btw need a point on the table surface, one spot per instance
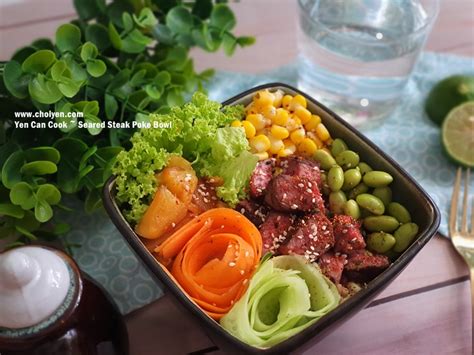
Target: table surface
(426, 310)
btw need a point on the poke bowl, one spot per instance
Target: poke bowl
(288, 238)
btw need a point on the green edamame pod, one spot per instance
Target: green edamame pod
(376, 178)
(352, 178)
(371, 203)
(338, 146)
(381, 224)
(337, 201)
(351, 208)
(399, 212)
(335, 178)
(347, 159)
(364, 168)
(380, 242)
(404, 235)
(359, 189)
(383, 193)
(325, 159)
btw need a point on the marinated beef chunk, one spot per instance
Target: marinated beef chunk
(290, 193)
(276, 228)
(313, 237)
(261, 176)
(347, 234)
(305, 169)
(332, 265)
(253, 210)
(363, 266)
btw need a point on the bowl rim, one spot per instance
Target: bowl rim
(344, 310)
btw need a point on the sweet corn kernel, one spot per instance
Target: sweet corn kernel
(275, 145)
(249, 129)
(307, 147)
(282, 153)
(260, 143)
(291, 124)
(297, 121)
(257, 120)
(277, 98)
(303, 114)
(279, 132)
(261, 155)
(281, 117)
(263, 98)
(286, 101)
(251, 109)
(268, 111)
(315, 139)
(298, 100)
(297, 135)
(322, 132)
(289, 145)
(312, 123)
(236, 124)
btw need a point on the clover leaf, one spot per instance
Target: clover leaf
(68, 37)
(179, 20)
(44, 90)
(39, 167)
(22, 194)
(39, 62)
(11, 169)
(15, 80)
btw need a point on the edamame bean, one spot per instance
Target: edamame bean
(324, 158)
(364, 168)
(376, 178)
(335, 178)
(404, 235)
(338, 146)
(337, 201)
(381, 224)
(359, 189)
(351, 208)
(380, 242)
(347, 159)
(383, 193)
(352, 178)
(399, 212)
(371, 203)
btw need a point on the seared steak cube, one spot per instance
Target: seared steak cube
(313, 237)
(261, 176)
(303, 168)
(253, 210)
(276, 228)
(332, 265)
(363, 266)
(347, 234)
(290, 193)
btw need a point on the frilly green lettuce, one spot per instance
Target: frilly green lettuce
(285, 296)
(196, 133)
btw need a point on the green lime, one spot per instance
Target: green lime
(447, 94)
(458, 134)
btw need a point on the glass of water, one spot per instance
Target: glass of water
(355, 56)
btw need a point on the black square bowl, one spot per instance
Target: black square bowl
(406, 190)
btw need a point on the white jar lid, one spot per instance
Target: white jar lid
(34, 282)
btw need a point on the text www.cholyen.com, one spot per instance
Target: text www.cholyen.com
(48, 114)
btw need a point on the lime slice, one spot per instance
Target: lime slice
(447, 94)
(458, 134)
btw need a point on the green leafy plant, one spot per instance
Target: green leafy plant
(114, 65)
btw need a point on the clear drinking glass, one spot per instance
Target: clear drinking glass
(355, 56)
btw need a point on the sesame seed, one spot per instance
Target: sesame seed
(294, 206)
(173, 224)
(206, 200)
(231, 264)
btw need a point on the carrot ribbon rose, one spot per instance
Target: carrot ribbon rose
(212, 257)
